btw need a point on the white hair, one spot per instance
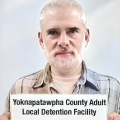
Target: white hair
(63, 4)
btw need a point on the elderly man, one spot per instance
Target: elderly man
(64, 37)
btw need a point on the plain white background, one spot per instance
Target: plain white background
(20, 53)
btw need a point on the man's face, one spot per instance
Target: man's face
(63, 37)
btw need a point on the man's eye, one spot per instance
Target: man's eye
(52, 33)
(73, 31)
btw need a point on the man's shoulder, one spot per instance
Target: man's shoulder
(103, 77)
(106, 83)
(24, 84)
(110, 86)
(30, 77)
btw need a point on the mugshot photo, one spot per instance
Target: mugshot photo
(60, 47)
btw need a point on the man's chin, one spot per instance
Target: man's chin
(63, 65)
(66, 63)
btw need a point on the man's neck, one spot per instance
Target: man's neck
(69, 73)
(65, 81)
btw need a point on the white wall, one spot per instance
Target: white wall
(21, 55)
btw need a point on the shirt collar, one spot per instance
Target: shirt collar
(43, 77)
(88, 78)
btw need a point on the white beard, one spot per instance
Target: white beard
(66, 62)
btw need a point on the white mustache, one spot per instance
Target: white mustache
(62, 50)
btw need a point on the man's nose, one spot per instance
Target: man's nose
(63, 39)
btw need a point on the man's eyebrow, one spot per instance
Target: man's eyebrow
(52, 29)
(56, 29)
(74, 28)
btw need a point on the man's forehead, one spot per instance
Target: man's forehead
(60, 9)
(56, 17)
(61, 14)
(64, 7)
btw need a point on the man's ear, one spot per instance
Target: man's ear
(87, 37)
(40, 40)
